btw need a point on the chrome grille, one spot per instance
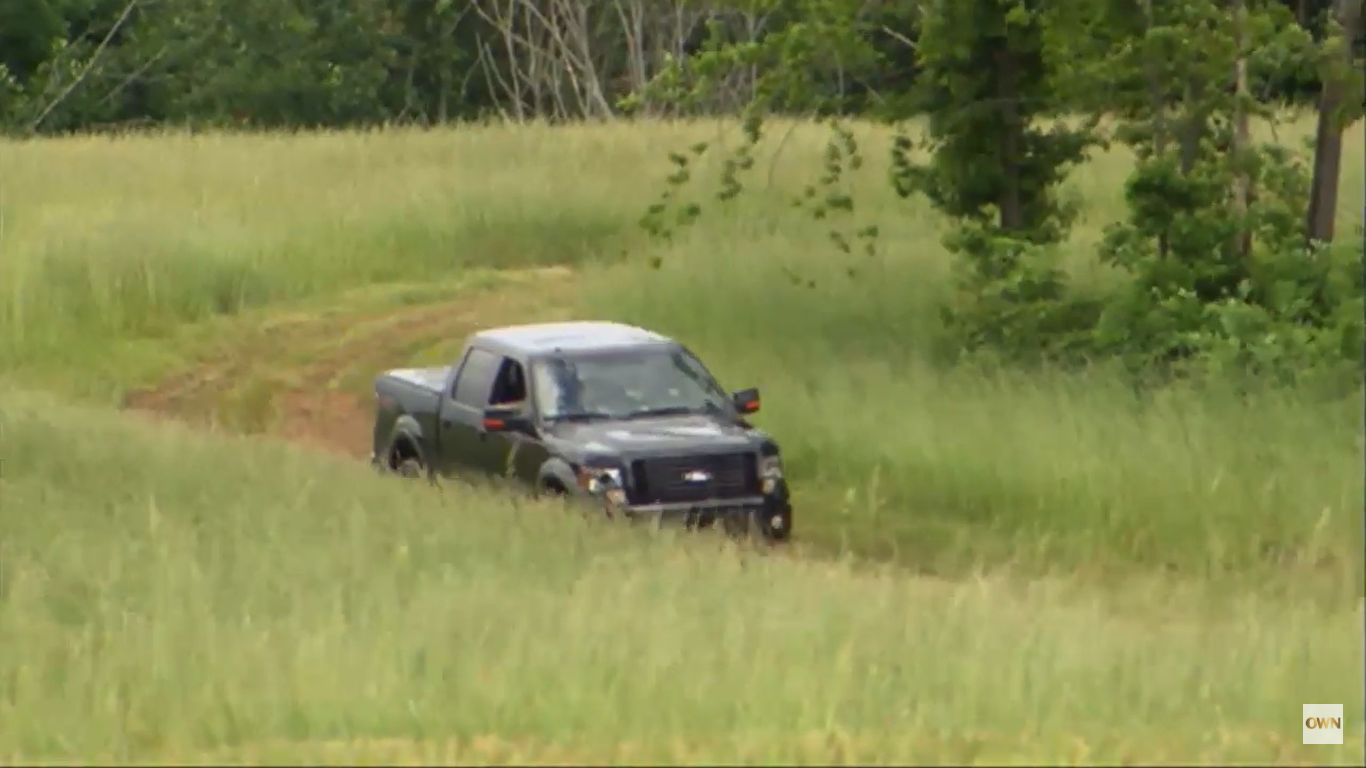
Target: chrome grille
(678, 480)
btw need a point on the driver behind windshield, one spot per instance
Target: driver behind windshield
(623, 386)
(558, 389)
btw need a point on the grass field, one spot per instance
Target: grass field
(1118, 579)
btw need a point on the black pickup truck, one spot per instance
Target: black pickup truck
(613, 413)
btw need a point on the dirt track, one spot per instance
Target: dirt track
(306, 378)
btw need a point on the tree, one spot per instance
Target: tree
(1335, 112)
(984, 83)
(1212, 241)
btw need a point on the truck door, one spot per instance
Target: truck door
(515, 455)
(464, 446)
(511, 452)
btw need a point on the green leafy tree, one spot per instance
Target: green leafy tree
(1214, 237)
(997, 150)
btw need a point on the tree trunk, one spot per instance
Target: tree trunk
(1242, 185)
(1323, 192)
(1158, 101)
(1012, 209)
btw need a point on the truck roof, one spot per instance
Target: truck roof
(547, 338)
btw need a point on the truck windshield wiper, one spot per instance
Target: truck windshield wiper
(580, 416)
(673, 410)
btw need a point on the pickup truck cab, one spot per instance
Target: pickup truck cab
(612, 413)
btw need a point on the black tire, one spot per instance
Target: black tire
(410, 469)
(774, 527)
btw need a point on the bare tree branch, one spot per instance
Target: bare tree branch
(897, 36)
(89, 65)
(136, 74)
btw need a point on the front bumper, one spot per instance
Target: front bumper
(771, 516)
(727, 508)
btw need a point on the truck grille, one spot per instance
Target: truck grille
(666, 481)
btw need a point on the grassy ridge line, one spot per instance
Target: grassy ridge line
(171, 593)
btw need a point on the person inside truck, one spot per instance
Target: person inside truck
(563, 390)
(509, 388)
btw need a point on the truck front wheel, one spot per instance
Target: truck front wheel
(775, 523)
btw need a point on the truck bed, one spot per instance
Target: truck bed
(413, 393)
(428, 379)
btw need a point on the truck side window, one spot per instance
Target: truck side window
(509, 388)
(475, 383)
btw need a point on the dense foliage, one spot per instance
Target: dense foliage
(1224, 266)
(84, 64)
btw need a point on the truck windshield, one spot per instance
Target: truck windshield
(626, 385)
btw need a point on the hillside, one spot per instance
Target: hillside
(993, 566)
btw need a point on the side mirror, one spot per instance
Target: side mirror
(505, 420)
(746, 400)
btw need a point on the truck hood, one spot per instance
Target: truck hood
(666, 435)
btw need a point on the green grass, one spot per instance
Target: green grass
(1165, 577)
(169, 594)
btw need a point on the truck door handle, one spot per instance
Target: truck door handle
(448, 422)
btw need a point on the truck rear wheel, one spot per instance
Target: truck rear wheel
(409, 468)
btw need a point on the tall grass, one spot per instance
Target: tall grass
(109, 239)
(105, 238)
(170, 595)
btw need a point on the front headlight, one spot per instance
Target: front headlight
(770, 472)
(771, 467)
(600, 479)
